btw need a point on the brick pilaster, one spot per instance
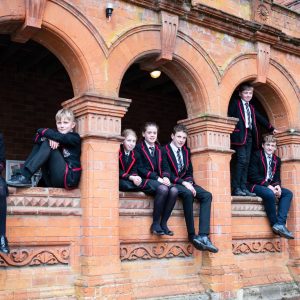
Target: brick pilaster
(209, 140)
(99, 124)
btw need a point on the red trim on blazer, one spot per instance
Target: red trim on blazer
(43, 132)
(130, 166)
(149, 159)
(243, 117)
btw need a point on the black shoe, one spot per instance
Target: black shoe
(166, 230)
(281, 230)
(203, 243)
(19, 181)
(4, 245)
(248, 193)
(238, 192)
(156, 229)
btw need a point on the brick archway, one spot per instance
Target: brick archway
(277, 95)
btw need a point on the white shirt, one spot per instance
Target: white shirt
(248, 122)
(149, 146)
(268, 166)
(175, 149)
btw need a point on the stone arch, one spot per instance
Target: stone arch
(186, 69)
(276, 95)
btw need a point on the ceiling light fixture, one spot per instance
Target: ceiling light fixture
(155, 73)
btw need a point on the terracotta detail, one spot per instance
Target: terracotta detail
(33, 20)
(248, 246)
(97, 115)
(168, 35)
(263, 61)
(209, 132)
(155, 250)
(247, 206)
(36, 256)
(289, 145)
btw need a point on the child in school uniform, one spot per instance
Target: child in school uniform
(56, 152)
(129, 180)
(154, 169)
(4, 248)
(244, 138)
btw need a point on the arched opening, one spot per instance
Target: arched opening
(33, 85)
(157, 100)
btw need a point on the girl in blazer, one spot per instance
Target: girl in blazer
(154, 169)
(129, 180)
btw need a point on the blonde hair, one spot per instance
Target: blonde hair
(65, 113)
(127, 132)
(269, 139)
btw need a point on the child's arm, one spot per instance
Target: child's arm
(64, 139)
(254, 176)
(276, 178)
(264, 122)
(2, 154)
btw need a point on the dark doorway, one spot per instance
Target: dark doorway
(156, 100)
(33, 85)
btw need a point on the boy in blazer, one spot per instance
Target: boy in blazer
(264, 180)
(56, 152)
(244, 138)
(181, 175)
(4, 248)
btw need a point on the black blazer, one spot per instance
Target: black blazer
(240, 133)
(186, 173)
(70, 147)
(146, 169)
(129, 168)
(258, 168)
(2, 154)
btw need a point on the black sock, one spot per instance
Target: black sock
(26, 173)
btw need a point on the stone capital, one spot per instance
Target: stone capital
(209, 133)
(98, 115)
(288, 145)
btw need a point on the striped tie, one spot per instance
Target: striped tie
(248, 115)
(179, 161)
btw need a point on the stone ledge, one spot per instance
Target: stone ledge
(247, 207)
(43, 201)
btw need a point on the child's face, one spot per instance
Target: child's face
(150, 135)
(65, 125)
(246, 95)
(269, 147)
(129, 142)
(179, 139)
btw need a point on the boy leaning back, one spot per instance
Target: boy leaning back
(57, 153)
(264, 180)
(244, 138)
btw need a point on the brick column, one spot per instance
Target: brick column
(99, 124)
(209, 140)
(289, 152)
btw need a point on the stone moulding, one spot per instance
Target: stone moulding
(251, 246)
(152, 250)
(36, 256)
(247, 207)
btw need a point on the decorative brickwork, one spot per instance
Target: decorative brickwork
(249, 246)
(36, 256)
(134, 251)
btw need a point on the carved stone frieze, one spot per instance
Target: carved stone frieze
(33, 20)
(248, 246)
(261, 11)
(168, 35)
(289, 145)
(247, 207)
(36, 256)
(135, 251)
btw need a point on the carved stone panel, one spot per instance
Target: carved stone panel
(261, 11)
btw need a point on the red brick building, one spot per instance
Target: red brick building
(94, 243)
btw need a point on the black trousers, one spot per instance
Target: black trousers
(3, 206)
(127, 185)
(205, 199)
(240, 163)
(50, 161)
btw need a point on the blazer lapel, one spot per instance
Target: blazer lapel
(242, 112)
(172, 158)
(147, 154)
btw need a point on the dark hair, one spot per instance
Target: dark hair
(148, 124)
(178, 128)
(245, 86)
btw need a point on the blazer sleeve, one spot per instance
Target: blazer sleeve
(276, 178)
(263, 122)
(189, 173)
(166, 172)
(71, 139)
(255, 176)
(2, 154)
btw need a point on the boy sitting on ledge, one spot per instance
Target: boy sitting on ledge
(57, 153)
(264, 178)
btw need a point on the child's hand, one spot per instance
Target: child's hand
(275, 131)
(53, 144)
(166, 181)
(190, 187)
(136, 180)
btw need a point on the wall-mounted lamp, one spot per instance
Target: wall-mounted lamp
(108, 11)
(155, 73)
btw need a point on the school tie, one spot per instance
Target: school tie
(270, 175)
(179, 160)
(248, 115)
(151, 151)
(126, 157)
